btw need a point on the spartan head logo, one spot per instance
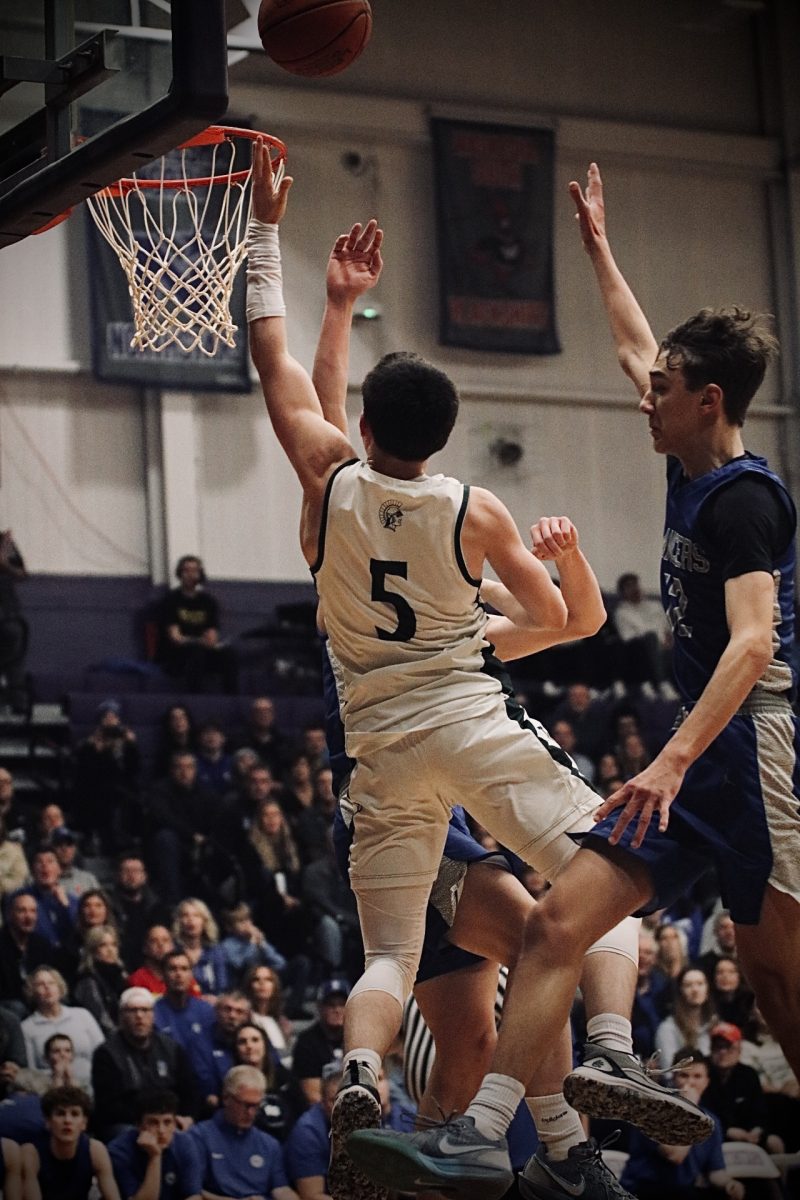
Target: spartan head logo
(391, 515)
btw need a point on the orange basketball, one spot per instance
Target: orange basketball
(314, 37)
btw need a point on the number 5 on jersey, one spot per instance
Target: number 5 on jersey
(406, 618)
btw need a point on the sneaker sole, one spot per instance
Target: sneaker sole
(412, 1171)
(664, 1119)
(355, 1109)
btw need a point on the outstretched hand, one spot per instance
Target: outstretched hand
(270, 197)
(552, 538)
(591, 214)
(650, 792)
(355, 263)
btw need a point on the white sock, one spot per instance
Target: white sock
(367, 1058)
(264, 276)
(493, 1108)
(611, 1030)
(558, 1126)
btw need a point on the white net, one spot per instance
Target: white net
(180, 239)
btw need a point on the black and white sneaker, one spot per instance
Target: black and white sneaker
(357, 1106)
(582, 1173)
(452, 1157)
(614, 1085)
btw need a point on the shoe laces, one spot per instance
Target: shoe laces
(651, 1067)
(603, 1174)
(445, 1119)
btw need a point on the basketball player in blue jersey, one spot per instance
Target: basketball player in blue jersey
(724, 789)
(398, 557)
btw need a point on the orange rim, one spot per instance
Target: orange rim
(51, 224)
(215, 135)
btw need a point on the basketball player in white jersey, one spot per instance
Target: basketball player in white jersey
(398, 557)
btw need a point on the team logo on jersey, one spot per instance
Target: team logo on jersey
(391, 515)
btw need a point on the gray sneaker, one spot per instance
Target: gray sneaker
(357, 1106)
(616, 1086)
(583, 1173)
(452, 1157)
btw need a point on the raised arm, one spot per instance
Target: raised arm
(490, 535)
(554, 539)
(354, 267)
(636, 347)
(312, 445)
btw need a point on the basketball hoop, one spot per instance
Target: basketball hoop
(180, 239)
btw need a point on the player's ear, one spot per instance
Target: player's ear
(711, 399)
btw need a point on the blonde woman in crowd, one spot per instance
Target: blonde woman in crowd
(196, 933)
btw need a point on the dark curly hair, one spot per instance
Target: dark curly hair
(730, 347)
(409, 405)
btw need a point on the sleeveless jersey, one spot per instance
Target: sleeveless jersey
(693, 587)
(64, 1179)
(400, 608)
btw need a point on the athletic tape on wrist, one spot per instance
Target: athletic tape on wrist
(264, 276)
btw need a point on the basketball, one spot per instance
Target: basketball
(314, 37)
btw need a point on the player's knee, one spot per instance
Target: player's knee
(395, 976)
(554, 932)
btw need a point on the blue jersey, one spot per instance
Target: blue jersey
(64, 1178)
(238, 1163)
(693, 581)
(181, 1166)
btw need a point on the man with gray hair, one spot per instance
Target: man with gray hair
(241, 1162)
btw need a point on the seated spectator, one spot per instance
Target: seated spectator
(734, 1093)
(157, 945)
(297, 791)
(779, 1084)
(136, 906)
(692, 1018)
(245, 946)
(732, 999)
(259, 786)
(581, 710)
(322, 1042)
(107, 765)
(283, 1100)
(60, 1070)
(608, 768)
(14, 872)
(281, 908)
(633, 755)
(723, 942)
(10, 811)
(334, 917)
(155, 1161)
(562, 732)
(101, 978)
(22, 949)
(643, 629)
(10, 1169)
(308, 1148)
(75, 880)
(214, 764)
(181, 815)
(652, 993)
(178, 1013)
(241, 1162)
(262, 986)
(191, 647)
(46, 990)
(211, 1055)
(243, 761)
(50, 817)
(66, 1112)
(134, 1058)
(56, 911)
(177, 734)
(94, 909)
(12, 1047)
(195, 932)
(673, 956)
(263, 735)
(657, 1172)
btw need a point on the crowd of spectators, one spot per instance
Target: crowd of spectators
(183, 984)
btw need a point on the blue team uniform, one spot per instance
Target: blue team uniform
(181, 1166)
(185, 1025)
(64, 1179)
(724, 811)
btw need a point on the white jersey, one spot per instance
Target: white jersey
(400, 608)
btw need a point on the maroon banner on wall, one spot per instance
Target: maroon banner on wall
(494, 198)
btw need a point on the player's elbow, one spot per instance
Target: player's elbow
(554, 614)
(755, 650)
(587, 624)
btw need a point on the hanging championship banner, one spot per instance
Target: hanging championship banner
(494, 194)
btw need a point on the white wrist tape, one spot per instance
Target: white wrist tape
(264, 278)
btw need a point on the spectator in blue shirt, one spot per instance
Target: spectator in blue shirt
(155, 1161)
(178, 1013)
(308, 1147)
(57, 911)
(656, 1172)
(212, 1054)
(239, 1161)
